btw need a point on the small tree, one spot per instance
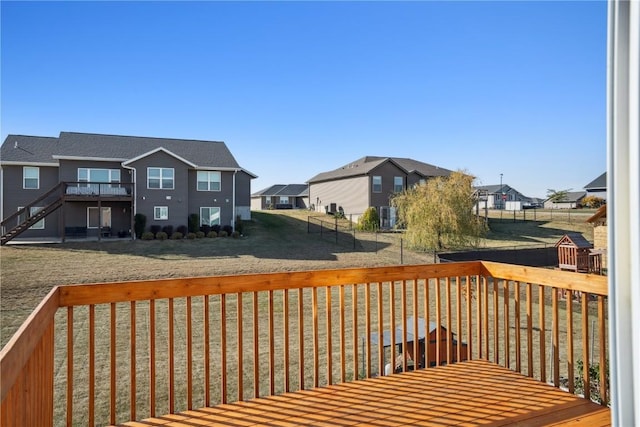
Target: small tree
(194, 223)
(139, 224)
(439, 213)
(369, 221)
(557, 196)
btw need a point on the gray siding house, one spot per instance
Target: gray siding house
(368, 182)
(279, 196)
(498, 196)
(92, 185)
(598, 187)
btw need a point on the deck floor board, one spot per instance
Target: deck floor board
(475, 393)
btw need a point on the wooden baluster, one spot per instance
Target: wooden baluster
(152, 358)
(343, 353)
(112, 365)
(542, 326)
(586, 379)
(92, 364)
(516, 302)
(529, 331)
(132, 373)
(555, 337)
(301, 338)
(570, 361)
(505, 302)
(458, 318)
(223, 347)
(381, 354)
(206, 351)
(329, 341)
(448, 314)
(354, 308)
(603, 351)
(416, 339)
(496, 322)
(485, 320)
(316, 363)
(427, 340)
(256, 347)
(240, 339)
(272, 360)
(171, 358)
(285, 331)
(367, 326)
(189, 355)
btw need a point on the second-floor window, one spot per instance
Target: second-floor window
(86, 175)
(377, 184)
(398, 184)
(160, 178)
(208, 181)
(30, 178)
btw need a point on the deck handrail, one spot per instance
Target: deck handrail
(482, 307)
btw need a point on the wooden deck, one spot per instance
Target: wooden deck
(464, 394)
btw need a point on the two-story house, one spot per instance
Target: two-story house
(368, 182)
(81, 184)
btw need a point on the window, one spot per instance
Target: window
(208, 181)
(32, 211)
(398, 184)
(86, 175)
(160, 178)
(30, 178)
(284, 200)
(377, 184)
(209, 216)
(160, 213)
(93, 219)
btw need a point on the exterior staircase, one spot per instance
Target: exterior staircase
(56, 194)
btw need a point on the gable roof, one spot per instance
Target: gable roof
(600, 183)
(291, 190)
(364, 165)
(574, 239)
(75, 145)
(601, 214)
(573, 196)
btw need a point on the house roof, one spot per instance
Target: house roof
(385, 336)
(291, 190)
(575, 239)
(600, 183)
(75, 145)
(572, 197)
(365, 165)
(491, 189)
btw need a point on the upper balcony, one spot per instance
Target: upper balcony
(90, 191)
(310, 348)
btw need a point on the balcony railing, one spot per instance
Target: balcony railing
(109, 353)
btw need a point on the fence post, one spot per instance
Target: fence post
(308, 224)
(354, 239)
(336, 229)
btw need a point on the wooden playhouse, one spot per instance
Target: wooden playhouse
(574, 253)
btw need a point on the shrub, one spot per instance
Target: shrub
(168, 229)
(228, 229)
(206, 228)
(222, 233)
(155, 228)
(212, 234)
(194, 222)
(139, 223)
(592, 202)
(161, 235)
(177, 235)
(147, 235)
(239, 225)
(216, 228)
(191, 236)
(200, 234)
(182, 229)
(369, 221)
(235, 234)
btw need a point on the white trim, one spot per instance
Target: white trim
(623, 209)
(164, 150)
(14, 163)
(93, 159)
(160, 218)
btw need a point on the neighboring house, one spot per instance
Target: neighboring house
(279, 196)
(598, 187)
(571, 201)
(368, 182)
(92, 185)
(502, 197)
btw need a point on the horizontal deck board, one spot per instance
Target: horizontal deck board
(464, 394)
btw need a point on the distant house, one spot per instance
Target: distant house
(84, 185)
(368, 182)
(502, 197)
(571, 201)
(598, 187)
(279, 196)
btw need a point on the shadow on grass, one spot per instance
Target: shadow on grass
(266, 236)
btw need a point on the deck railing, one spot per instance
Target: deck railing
(109, 353)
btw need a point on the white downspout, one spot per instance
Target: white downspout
(233, 199)
(133, 196)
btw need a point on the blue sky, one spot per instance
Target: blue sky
(298, 88)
